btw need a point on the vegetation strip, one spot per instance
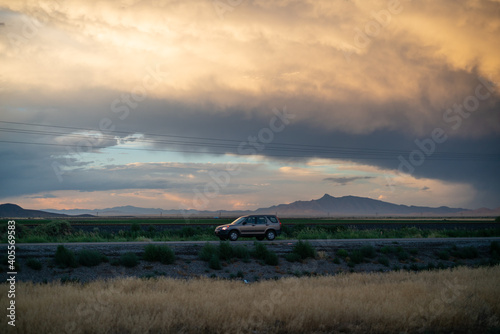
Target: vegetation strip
(62, 231)
(458, 300)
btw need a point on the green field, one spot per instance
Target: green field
(136, 229)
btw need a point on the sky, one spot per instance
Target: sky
(243, 104)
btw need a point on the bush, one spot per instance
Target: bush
(368, 251)
(187, 232)
(494, 247)
(241, 252)
(260, 251)
(65, 258)
(292, 257)
(403, 256)
(207, 251)
(357, 256)
(497, 219)
(5, 261)
(414, 267)
(166, 255)
(465, 252)
(20, 230)
(90, 258)
(163, 254)
(443, 255)
(342, 253)
(54, 228)
(115, 262)
(214, 262)
(387, 250)
(34, 264)
(383, 260)
(304, 250)
(226, 251)
(271, 259)
(495, 250)
(129, 260)
(150, 253)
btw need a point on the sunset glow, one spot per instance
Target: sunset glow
(255, 103)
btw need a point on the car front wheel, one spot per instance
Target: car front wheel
(270, 235)
(233, 235)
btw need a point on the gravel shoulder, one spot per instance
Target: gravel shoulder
(413, 254)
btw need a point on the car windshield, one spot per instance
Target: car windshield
(238, 221)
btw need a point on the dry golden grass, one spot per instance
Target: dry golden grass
(461, 300)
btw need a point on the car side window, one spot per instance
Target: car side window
(272, 219)
(261, 220)
(251, 220)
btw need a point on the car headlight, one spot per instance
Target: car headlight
(224, 228)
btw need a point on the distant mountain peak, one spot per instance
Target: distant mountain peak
(10, 210)
(354, 206)
(10, 205)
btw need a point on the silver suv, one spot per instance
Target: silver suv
(260, 226)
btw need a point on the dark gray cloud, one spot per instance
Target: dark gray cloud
(346, 180)
(463, 159)
(43, 196)
(219, 82)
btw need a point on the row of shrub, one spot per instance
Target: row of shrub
(66, 258)
(368, 253)
(301, 251)
(225, 251)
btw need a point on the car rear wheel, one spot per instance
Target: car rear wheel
(270, 235)
(233, 235)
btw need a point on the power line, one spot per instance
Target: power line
(239, 141)
(224, 152)
(294, 149)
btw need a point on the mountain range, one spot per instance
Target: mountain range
(326, 206)
(9, 210)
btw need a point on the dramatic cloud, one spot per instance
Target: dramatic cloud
(346, 180)
(144, 95)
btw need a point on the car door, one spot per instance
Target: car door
(261, 225)
(247, 227)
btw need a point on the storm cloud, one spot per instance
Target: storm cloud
(97, 93)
